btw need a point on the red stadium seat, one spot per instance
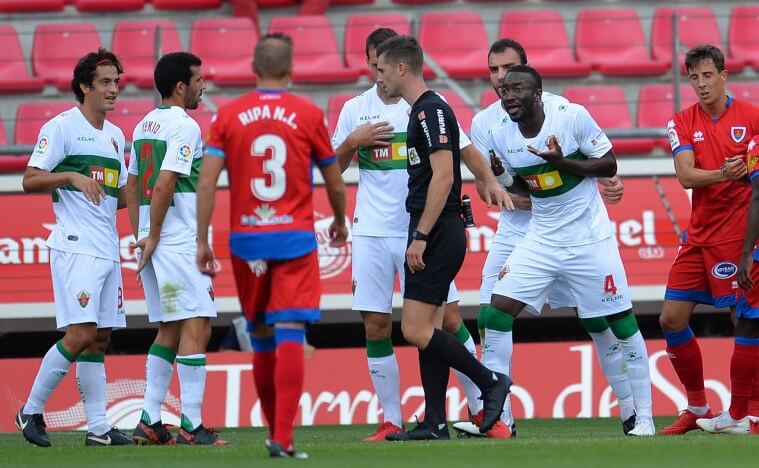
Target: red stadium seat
(334, 106)
(656, 107)
(745, 91)
(358, 28)
(276, 3)
(350, 2)
(226, 46)
(185, 4)
(315, 55)
(203, 113)
(608, 107)
(14, 78)
(109, 5)
(58, 47)
(128, 114)
(743, 35)
(611, 41)
(459, 54)
(696, 26)
(31, 116)
(26, 6)
(544, 36)
(464, 113)
(488, 97)
(413, 2)
(134, 44)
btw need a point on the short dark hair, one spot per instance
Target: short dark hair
(273, 56)
(173, 68)
(403, 49)
(704, 52)
(377, 37)
(501, 45)
(84, 72)
(536, 78)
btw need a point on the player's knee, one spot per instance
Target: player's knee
(671, 322)
(506, 304)
(413, 333)
(452, 319)
(197, 330)
(377, 326)
(79, 338)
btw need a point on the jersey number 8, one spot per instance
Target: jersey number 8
(273, 146)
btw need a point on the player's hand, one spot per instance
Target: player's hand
(493, 193)
(338, 234)
(373, 134)
(206, 260)
(414, 255)
(92, 190)
(613, 190)
(520, 202)
(147, 246)
(734, 168)
(496, 165)
(744, 272)
(553, 153)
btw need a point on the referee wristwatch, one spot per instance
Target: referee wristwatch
(419, 235)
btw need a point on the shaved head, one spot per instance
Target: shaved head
(273, 57)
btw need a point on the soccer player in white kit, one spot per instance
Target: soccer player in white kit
(79, 158)
(367, 124)
(163, 175)
(495, 332)
(570, 237)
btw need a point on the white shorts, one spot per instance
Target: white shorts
(175, 289)
(594, 274)
(375, 263)
(559, 294)
(87, 289)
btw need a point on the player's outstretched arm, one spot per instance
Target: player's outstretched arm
(209, 177)
(39, 181)
(692, 177)
(605, 166)
(749, 242)
(491, 191)
(333, 182)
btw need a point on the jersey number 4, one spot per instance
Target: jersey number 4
(273, 147)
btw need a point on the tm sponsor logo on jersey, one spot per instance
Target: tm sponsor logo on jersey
(724, 270)
(265, 215)
(396, 151)
(105, 176)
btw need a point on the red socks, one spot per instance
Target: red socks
(743, 367)
(263, 376)
(686, 359)
(288, 379)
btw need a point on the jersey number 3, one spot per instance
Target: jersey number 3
(273, 147)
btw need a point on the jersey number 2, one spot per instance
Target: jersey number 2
(274, 147)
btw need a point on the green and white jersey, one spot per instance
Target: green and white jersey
(167, 139)
(484, 122)
(69, 143)
(566, 208)
(383, 180)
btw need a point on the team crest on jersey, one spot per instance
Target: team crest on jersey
(211, 294)
(504, 271)
(738, 133)
(84, 298)
(413, 156)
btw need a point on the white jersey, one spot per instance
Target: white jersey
(167, 139)
(383, 180)
(566, 208)
(484, 122)
(69, 143)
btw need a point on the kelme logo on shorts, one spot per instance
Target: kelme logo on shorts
(724, 270)
(84, 298)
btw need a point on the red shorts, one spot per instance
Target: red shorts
(748, 301)
(705, 275)
(279, 291)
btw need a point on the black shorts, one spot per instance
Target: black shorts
(443, 258)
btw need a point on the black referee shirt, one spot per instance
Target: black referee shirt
(431, 126)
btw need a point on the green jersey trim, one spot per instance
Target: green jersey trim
(100, 168)
(545, 181)
(384, 158)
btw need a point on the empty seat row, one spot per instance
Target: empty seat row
(25, 6)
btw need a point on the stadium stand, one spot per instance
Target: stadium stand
(14, 78)
(226, 47)
(203, 113)
(185, 4)
(656, 106)
(128, 114)
(27, 6)
(30, 116)
(358, 27)
(134, 43)
(611, 41)
(745, 90)
(58, 46)
(109, 5)
(487, 97)
(335, 104)
(459, 54)
(461, 109)
(743, 35)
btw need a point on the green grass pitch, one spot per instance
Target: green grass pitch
(546, 443)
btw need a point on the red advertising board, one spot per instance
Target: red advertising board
(551, 380)
(644, 230)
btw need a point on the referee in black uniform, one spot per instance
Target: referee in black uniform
(437, 241)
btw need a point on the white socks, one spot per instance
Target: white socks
(191, 370)
(471, 390)
(613, 364)
(90, 378)
(55, 365)
(497, 349)
(159, 371)
(636, 358)
(387, 383)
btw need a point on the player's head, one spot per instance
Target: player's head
(96, 80)
(706, 72)
(399, 59)
(273, 57)
(373, 40)
(178, 75)
(504, 54)
(521, 91)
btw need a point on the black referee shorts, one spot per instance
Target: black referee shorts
(443, 258)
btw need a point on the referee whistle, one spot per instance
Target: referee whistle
(466, 211)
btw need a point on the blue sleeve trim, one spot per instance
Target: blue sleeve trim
(681, 148)
(755, 255)
(678, 338)
(263, 345)
(739, 340)
(701, 297)
(753, 175)
(290, 335)
(325, 162)
(215, 152)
